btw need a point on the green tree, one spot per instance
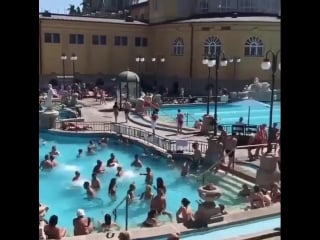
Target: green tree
(72, 10)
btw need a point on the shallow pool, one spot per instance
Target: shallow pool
(58, 192)
(236, 230)
(227, 113)
(249, 167)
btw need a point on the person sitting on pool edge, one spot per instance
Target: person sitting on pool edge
(51, 229)
(245, 191)
(82, 225)
(184, 213)
(108, 225)
(151, 220)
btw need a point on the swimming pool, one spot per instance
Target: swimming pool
(249, 167)
(64, 198)
(236, 230)
(227, 113)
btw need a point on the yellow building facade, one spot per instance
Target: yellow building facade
(105, 47)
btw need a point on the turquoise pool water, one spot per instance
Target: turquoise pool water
(227, 113)
(64, 198)
(250, 227)
(249, 167)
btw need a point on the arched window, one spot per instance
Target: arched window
(253, 47)
(178, 47)
(212, 46)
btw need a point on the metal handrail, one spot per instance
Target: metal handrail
(164, 143)
(114, 211)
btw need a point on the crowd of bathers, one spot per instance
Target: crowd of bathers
(154, 194)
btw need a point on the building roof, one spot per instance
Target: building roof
(231, 19)
(89, 19)
(139, 5)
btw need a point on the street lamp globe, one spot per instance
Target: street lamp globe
(74, 57)
(137, 59)
(142, 59)
(153, 59)
(162, 59)
(211, 62)
(223, 62)
(266, 64)
(238, 60)
(63, 57)
(205, 61)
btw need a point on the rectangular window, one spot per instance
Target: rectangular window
(141, 42)
(144, 42)
(76, 39)
(137, 42)
(99, 39)
(120, 41)
(225, 4)
(204, 6)
(52, 37)
(247, 5)
(155, 5)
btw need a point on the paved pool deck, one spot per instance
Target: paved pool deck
(91, 112)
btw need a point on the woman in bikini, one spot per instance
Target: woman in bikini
(112, 189)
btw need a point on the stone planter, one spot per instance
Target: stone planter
(209, 192)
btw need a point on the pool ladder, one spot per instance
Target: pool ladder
(114, 211)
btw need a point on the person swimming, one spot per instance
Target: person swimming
(136, 162)
(80, 151)
(112, 161)
(76, 176)
(54, 152)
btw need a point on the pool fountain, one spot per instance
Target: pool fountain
(48, 117)
(207, 210)
(268, 171)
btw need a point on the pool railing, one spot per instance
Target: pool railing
(169, 145)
